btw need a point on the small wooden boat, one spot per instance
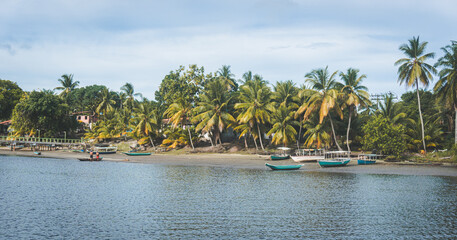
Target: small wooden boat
(105, 150)
(280, 157)
(90, 160)
(37, 153)
(283, 167)
(366, 159)
(281, 154)
(308, 155)
(137, 154)
(335, 159)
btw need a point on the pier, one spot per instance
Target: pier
(39, 143)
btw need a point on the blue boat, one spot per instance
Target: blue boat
(366, 159)
(335, 159)
(284, 167)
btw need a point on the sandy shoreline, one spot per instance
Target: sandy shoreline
(252, 162)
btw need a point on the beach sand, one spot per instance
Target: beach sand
(252, 162)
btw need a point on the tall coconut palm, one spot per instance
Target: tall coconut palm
(413, 70)
(68, 85)
(212, 111)
(255, 104)
(355, 95)
(107, 102)
(180, 112)
(446, 87)
(286, 95)
(283, 130)
(226, 74)
(302, 97)
(316, 133)
(130, 95)
(323, 97)
(144, 121)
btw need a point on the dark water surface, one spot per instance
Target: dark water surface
(43, 198)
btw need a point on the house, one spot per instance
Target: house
(86, 117)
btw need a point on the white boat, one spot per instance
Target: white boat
(308, 155)
(105, 150)
(335, 159)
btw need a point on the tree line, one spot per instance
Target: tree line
(332, 109)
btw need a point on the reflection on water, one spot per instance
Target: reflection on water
(53, 198)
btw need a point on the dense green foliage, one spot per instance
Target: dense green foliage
(10, 93)
(42, 111)
(384, 137)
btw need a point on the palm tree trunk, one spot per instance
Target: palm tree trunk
(349, 127)
(334, 135)
(190, 138)
(299, 134)
(211, 139)
(455, 127)
(255, 142)
(150, 139)
(420, 115)
(245, 142)
(260, 137)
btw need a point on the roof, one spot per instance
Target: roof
(7, 122)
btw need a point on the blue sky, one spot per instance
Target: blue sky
(112, 42)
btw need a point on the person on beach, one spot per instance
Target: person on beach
(98, 156)
(91, 155)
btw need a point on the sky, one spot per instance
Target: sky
(111, 42)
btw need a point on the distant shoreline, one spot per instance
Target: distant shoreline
(252, 161)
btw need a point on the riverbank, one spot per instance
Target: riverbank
(252, 161)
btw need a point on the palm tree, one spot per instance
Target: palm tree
(67, 85)
(323, 97)
(212, 111)
(180, 112)
(414, 70)
(226, 74)
(286, 95)
(316, 134)
(107, 102)
(255, 104)
(355, 94)
(446, 87)
(129, 95)
(144, 121)
(392, 111)
(283, 130)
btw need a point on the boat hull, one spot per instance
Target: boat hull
(137, 154)
(365, 162)
(334, 163)
(307, 158)
(90, 160)
(279, 157)
(283, 167)
(110, 152)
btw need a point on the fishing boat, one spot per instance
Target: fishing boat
(105, 150)
(283, 167)
(366, 159)
(308, 155)
(137, 153)
(37, 153)
(90, 160)
(282, 154)
(335, 159)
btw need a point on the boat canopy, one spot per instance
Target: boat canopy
(284, 148)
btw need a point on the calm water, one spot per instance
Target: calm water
(44, 198)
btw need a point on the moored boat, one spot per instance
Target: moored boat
(105, 150)
(308, 155)
(37, 153)
(281, 154)
(335, 159)
(136, 154)
(283, 167)
(366, 159)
